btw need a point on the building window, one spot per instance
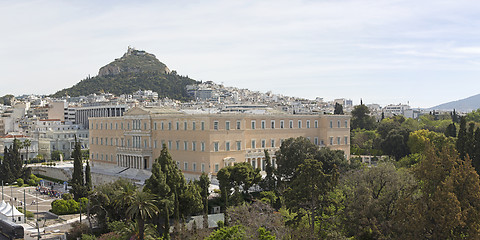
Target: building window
(263, 143)
(144, 126)
(345, 141)
(116, 142)
(177, 145)
(315, 140)
(155, 126)
(203, 126)
(101, 127)
(123, 142)
(155, 144)
(194, 146)
(238, 125)
(169, 125)
(111, 126)
(101, 141)
(291, 123)
(116, 126)
(338, 124)
(227, 146)
(145, 144)
(185, 126)
(203, 167)
(272, 124)
(162, 126)
(253, 124)
(254, 163)
(193, 126)
(215, 146)
(215, 125)
(185, 166)
(338, 140)
(227, 125)
(331, 124)
(263, 124)
(202, 146)
(239, 145)
(128, 126)
(346, 123)
(308, 123)
(216, 167)
(299, 123)
(253, 144)
(315, 124)
(331, 140)
(177, 125)
(185, 145)
(169, 145)
(322, 142)
(121, 125)
(282, 124)
(194, 167)
(272, 143)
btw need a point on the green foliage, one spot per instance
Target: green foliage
(11, 168)
(365, 142)
(473, 116)
(268, 183)
(88, 237)
(20, 182)
(451, 130)
(55, 155)
(7, 100)
(166, 85)
(79, 189)
(371, 196)
(143, 206)
(77, 230)
(239, 176)
(88, 177)
(338, 109)
(228, 233)
(29, 214)
(361, 118)
(62, 207)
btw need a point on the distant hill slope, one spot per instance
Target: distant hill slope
(133, 71)
(462, 105)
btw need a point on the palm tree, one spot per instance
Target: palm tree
(143, 206)
(26, 144)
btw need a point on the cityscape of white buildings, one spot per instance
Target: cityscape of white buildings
(52, 124)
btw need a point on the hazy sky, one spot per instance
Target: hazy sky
(384, 51)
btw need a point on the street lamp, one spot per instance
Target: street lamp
(11, 192)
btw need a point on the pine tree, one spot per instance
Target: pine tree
(451, 130)
(476, 154)
(338, 109)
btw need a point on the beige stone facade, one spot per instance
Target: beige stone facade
(206, 142)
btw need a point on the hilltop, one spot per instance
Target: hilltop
(135, 70)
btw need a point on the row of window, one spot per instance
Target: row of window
(137, 143)
(136, 125)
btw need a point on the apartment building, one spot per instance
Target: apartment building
(201, 142)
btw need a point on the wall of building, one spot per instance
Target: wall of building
(142, 135)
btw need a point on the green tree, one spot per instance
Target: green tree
(239, 176)
(462, 138)
(204, 183)
(291, 154)
(157, 185)
(395, 143)
(476, 155)
(307, 192)
(338, 109)
(78, 184)
(228, 233)
(268, 183)
(55, 155)
(361, 118)
(11, 167)
(451, 130)
(370, 203)
(142, 207)
(26, 144)
(88, 177)
(449, 204)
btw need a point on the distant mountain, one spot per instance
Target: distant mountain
(464, 105)
(135, 70)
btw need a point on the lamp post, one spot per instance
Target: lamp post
(11, 192)
(38, 227)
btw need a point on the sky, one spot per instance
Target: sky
(421, 53)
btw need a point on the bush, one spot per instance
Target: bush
(67, 196)
(62, 207)
(31, 182)
(20, 182)
(77, 230)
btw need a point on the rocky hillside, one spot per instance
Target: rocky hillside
(134, 61)
(133, 71)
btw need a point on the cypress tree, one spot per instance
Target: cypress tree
(78, 183)
(88, 177)
(451, 130)
(462, 138)
(470, 143)
(476, 153)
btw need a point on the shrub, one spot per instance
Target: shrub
(20, 182)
